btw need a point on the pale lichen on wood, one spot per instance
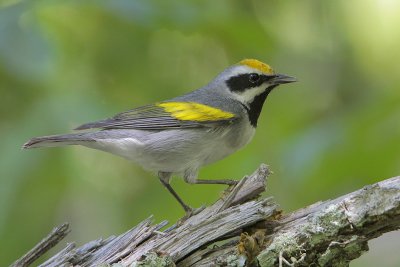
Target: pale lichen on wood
(239, 230)
(334, 232)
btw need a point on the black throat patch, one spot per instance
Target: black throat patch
(255, 107)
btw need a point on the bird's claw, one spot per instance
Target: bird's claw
(189, 213)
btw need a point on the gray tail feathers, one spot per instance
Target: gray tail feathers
(57, 140)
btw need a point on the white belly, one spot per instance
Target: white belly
(175, 151)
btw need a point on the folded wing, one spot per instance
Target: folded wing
(165, 115)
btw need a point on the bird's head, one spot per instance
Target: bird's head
(250, 78)
(249, 82)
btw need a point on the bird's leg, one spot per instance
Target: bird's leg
(190, 177)
(164, 179)
(222, 181)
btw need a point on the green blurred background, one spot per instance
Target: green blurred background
(63, 63)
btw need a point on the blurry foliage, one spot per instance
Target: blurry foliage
(63, 63)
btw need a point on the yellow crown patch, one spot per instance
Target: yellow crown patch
(190, 111)
(258, 65)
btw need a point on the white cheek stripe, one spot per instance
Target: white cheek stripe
(248, 95)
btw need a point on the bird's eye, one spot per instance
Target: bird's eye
(254, 77)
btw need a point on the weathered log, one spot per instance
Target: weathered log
(239, 230)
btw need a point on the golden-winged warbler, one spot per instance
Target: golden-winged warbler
(180, 135)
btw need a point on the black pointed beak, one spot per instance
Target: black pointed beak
(282, 78)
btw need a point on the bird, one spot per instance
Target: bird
(180, 135)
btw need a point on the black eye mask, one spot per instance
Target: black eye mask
(243, 82)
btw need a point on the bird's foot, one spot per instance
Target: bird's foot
(232, 182)
(189, 213)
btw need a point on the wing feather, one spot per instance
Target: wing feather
(165, 115)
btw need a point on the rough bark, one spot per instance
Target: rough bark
(239, 230)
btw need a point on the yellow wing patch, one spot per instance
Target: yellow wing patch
(190, 111)
(258, 65)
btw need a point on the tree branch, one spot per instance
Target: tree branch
(333, 233)
(52, 239)
(238, 230)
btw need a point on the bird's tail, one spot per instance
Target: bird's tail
(57, 140)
